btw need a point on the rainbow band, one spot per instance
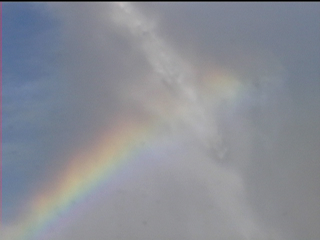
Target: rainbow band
(85, 172)
(93, 166)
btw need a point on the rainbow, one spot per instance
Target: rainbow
(93, 166)
(130, 136)
(86, 170)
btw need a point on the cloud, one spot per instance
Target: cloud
(222, 78)
(164, 65)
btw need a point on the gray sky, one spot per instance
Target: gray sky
(233, 87)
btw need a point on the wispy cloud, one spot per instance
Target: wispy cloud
(221, 78)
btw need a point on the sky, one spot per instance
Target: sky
(160, 121)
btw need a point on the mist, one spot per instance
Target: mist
(233, 89)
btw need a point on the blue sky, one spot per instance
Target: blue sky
(30, 41)
(69, 68)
